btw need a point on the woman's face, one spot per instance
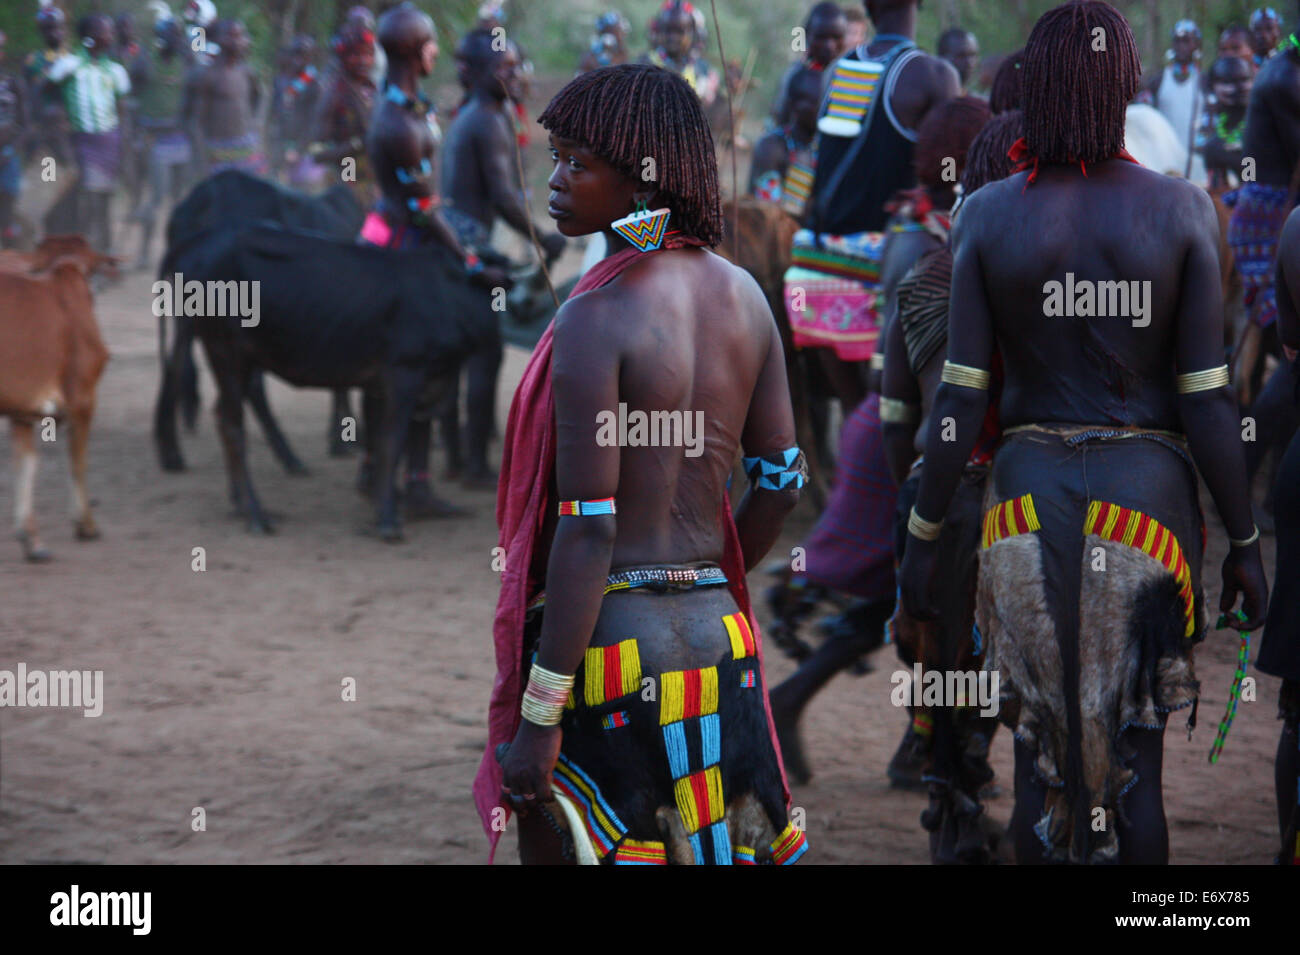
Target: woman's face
(587, 193)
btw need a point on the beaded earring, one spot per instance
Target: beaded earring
(643, 228)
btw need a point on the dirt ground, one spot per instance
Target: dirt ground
(223, 688)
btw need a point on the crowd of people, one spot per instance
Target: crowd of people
(1014, 485)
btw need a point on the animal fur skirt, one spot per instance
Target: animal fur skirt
(1089, 604)
(671, 765)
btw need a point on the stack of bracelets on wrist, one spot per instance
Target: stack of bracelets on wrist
(545, 696)
(922, 529)
(1247, 541)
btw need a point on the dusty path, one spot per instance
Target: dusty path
(224, 688)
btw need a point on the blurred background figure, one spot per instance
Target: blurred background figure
(609, 45)
(13, 128)
(1231, 78)
(826, 32)
(159, 84)
(1235, 41)
(962, 50)
(1265, 33)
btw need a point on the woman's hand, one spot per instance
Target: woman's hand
(1243, 572)
(527, 764)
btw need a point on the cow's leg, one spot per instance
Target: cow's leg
(400, 397)
(188, 384)
(372, 409)
(340, 408)
(24, 442)
(78, 441)
(448, 414)
(481, 371)
(231, 382)
(165, 436)
(256, 393)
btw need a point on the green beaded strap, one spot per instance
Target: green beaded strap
(1234, 695)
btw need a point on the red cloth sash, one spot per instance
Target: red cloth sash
(523, 500)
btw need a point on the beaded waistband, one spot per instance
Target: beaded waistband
(660, 578)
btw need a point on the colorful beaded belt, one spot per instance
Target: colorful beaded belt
(657, 578)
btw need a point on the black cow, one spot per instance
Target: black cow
(335, 314)
(226, 199)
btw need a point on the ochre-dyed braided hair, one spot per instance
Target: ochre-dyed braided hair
(1075, 96)
(627, 113)
(1004, 94)
(946, 132)
(986, 158)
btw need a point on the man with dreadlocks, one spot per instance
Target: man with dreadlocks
(1089, 600)
(956, 763)
(643, 720)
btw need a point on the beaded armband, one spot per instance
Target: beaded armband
(587, 508)
(415, 173)
(965, 375)
(776, 472)
(894, 411)
(1207, 379)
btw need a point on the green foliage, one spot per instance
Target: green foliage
(554, 35)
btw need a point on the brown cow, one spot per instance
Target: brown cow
(55, 247)
(53, 358)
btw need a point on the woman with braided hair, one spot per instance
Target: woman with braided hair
(628, 722)
(1089, 600)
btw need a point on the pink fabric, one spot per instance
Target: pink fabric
(527, 462)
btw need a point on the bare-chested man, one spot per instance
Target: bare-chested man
(219, 108)
(402, 146)
(1089, 596)
(1279, 652)
(825, 29)
(159, 84)
(480, 184)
